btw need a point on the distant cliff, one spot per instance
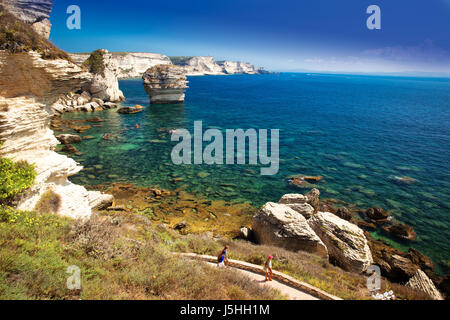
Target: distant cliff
(207, 65)
(129, 64)
(134, 64)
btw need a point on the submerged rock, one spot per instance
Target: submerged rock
(344, 213)
(279, 225)
(165, 84)
(69, 149)
(346, 243)
(129, 110)
(377, 214)
(69, 138)
(402, 231)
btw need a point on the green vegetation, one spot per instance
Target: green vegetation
(14, 179)
(95, 63)
(121, 256)
(50, 202)
(303, 266)
(17, 36)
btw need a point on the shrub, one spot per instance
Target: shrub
(17, 36)
(50, 202)
(95, 62)
(14, 178)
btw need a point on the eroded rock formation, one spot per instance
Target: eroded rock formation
(29, 86)
(421, 282)
(165, 84)
(346, 242)
(279, 225)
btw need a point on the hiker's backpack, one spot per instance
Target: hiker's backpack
(219, 256)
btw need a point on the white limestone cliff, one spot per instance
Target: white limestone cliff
(29, 86)
(129, 64)
(134, 64)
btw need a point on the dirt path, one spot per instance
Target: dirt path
(288, 291)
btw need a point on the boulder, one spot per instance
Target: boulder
(293, 198)
(420, 259)
(68, 138)
(129, 110)
(245, 234)
(165, 84)
(69, 149)
(421, 282)
(401, 230)
(298, 203)
(346, 243)
(377, 214)
(104, 84)
(279, 225)
(313, 199)
(344, 213)
(394, 264)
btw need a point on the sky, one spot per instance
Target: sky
(280, 35)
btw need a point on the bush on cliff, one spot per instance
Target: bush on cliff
(15, 178)
(95, 63)
(17, 36)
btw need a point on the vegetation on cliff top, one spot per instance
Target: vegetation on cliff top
(14, 179)
(120, 256)
(95, 63)
(17, 36)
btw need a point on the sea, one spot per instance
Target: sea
(376, 141)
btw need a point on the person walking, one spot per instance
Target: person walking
(268, 268)
(222, 258)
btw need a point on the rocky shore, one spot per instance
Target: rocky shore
(30, 102)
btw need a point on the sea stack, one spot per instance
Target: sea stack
(165, 84)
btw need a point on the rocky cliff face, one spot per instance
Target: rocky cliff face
(197, 66)
(33, 12)
(129, 64)
(104, 84)
(29, 86)
(165, 84)
(134, 64)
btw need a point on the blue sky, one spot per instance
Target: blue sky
(282, 35)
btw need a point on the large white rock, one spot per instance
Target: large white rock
(165, 84)
(105, 85)
(279, 225)
(298, 202)
(346, 242)
(420, 281)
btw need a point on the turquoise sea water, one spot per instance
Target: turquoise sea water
(357, 131)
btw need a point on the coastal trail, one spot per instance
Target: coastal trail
(292, 288)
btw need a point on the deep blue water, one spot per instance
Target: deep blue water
(357, 131)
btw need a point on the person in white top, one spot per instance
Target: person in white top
(268, 268)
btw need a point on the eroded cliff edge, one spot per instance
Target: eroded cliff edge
(29, 86)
